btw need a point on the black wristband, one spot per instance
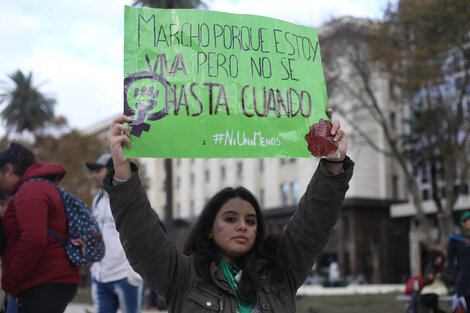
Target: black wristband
(335, 162)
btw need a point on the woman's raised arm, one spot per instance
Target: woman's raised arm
(118, 135)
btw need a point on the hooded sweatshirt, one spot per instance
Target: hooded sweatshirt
(32, 257)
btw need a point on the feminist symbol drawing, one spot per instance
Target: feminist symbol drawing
(144, 85)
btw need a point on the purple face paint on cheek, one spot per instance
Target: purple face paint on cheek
(219, 227)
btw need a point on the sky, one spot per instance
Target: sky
(75, 48)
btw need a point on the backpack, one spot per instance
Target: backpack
(85, 241)
(414, 283)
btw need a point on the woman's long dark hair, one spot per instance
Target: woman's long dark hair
(265, 252)
(18, 156)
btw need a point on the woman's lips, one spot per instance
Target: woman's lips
(240, 239)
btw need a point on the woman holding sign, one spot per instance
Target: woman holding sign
(228, 265)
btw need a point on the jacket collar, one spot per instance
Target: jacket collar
(218, 277)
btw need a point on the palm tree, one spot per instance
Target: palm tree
(26, 107)
(169, 4)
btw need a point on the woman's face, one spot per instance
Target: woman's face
(466, 224)
(8, 179)
(234, 229)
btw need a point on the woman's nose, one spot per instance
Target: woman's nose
(241, 226)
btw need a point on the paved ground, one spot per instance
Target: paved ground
(87, 308)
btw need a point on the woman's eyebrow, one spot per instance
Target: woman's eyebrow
(236, 213)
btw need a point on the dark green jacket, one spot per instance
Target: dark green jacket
(173, 274)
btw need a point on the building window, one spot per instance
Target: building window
(178, 182)
(458, 83)
(207, 176)
(424, 177)
(222, 172)
(191, 179)
(425, 194)
(395, 187)
(295, 192)
(239, 169)
(285, 193)
(261, 197)
(191, 205)
(261, 164)
(393, 120)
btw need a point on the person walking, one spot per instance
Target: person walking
(115, 285)
(458, 258)
(35, 266)
(228, 264)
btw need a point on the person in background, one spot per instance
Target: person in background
(8, 302)
(35, 266)
(3, 206)
(458, 258)
(3, 242)
(436, 281)
(114, 285)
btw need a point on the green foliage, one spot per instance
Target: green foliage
(169, 4)
(418, 36)
(26, 108)
(72, 150)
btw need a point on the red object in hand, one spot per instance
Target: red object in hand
(319, 139)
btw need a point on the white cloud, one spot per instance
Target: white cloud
(305, 12)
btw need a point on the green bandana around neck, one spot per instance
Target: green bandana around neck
(233, 275)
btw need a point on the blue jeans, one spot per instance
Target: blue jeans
(108, 297)
(12, 306)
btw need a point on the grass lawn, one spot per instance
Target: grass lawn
(83, 295)
(380, 303)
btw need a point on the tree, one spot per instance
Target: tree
(72, 150)
(27, 108)
(399, 67)
(169, 4)
(428, 50)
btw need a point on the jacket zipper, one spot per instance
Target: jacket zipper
(221, 303)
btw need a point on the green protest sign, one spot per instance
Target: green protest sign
(203, 84)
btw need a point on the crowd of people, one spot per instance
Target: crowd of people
(228, 264)
(445, 274)
(227, 244)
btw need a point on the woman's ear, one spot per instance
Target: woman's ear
(209, 236)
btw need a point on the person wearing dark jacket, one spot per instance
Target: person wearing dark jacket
(436, 275)
(228, 265)
(35, 266)
(458, 257)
